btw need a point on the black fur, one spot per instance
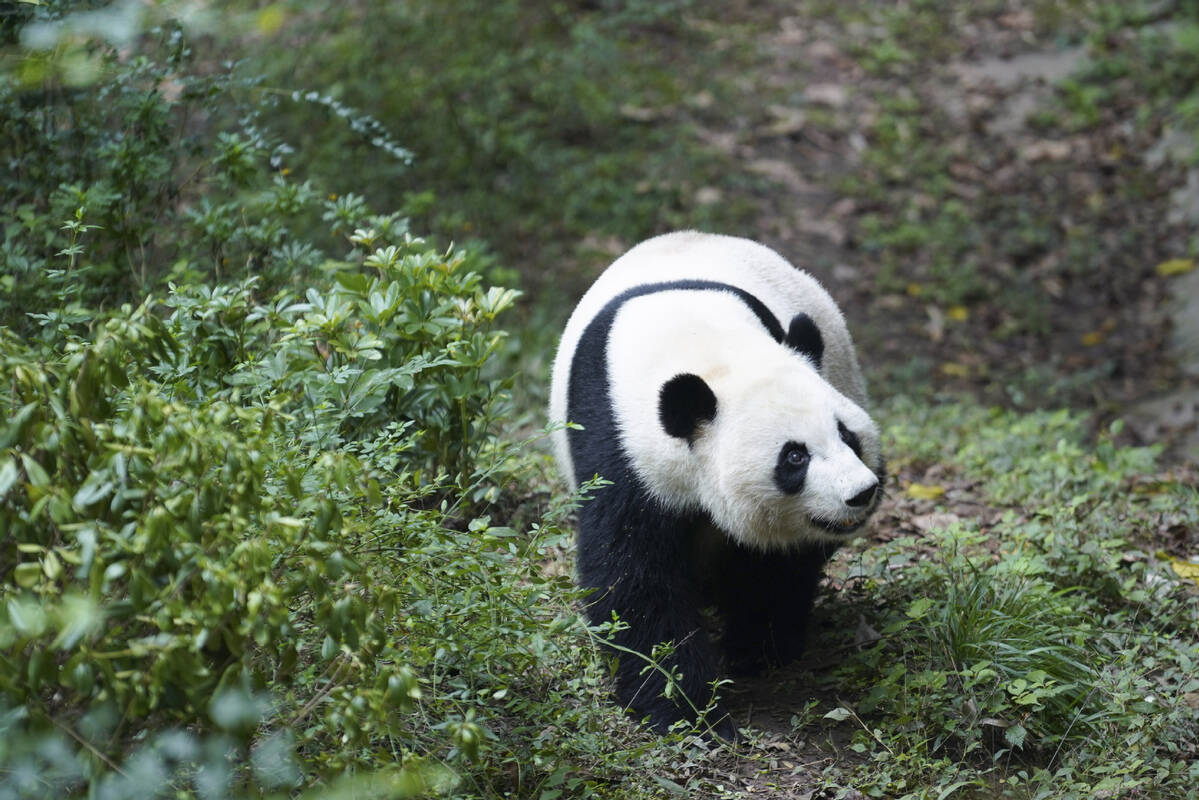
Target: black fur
(765, 599)
(640, 560)
(804, 337)
(850, 438)
(683, 403)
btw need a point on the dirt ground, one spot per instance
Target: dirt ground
(1111, 336)
(1110, 333)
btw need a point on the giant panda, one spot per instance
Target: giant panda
(716, 387)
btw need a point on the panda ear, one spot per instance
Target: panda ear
(683, 403)
(804, 337)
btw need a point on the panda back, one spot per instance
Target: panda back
(758, 271)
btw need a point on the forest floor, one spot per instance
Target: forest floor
(980, 233)
(981, 239)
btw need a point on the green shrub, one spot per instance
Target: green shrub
(266, 526)
(258, 517)
(163, 145)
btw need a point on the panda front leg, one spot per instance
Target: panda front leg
(765, 599)
(640, 571)
(651, 612)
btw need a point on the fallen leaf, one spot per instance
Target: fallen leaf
(844, 207)
(611, 246)
(640, 113)
(1092, 338)
(1023, 20)
(936, 323)
(1175, 266)
(827, 228)
(846, 273)
(923, 491)
(1185, 569)
(821, 50)
(781, 171)
(957, 313)
(955, 370)
(787, 121)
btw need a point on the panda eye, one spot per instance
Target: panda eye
(795, 455)
(792, 469)
(850, 438)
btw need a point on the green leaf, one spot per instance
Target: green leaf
(37, 475)
(238, 710)
(1014, 734)
(27, 617)
(82, 677)
(838, 714)
(94, 489)
(953, 787)
(670, 786)
(52, 566)
(11, 433)
(78, 617)
(919, 608)
(8, 476)
(27, 575)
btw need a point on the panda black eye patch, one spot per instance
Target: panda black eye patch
(850, 438)
(792, 468)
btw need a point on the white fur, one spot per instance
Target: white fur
(767, 394)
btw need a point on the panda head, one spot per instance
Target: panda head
(780, 457)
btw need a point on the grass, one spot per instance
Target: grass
(1033, 647)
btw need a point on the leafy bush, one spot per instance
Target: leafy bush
(262, 531)
(245, 548)
(164, 147)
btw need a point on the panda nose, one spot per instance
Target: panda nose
(863, 498)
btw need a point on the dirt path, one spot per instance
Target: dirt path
(977, 243)
(977, 239)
